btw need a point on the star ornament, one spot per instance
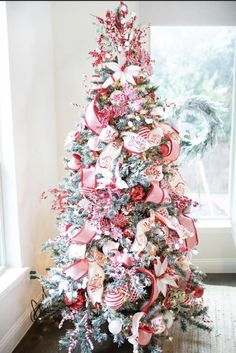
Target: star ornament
(121, 72)
(164, 278)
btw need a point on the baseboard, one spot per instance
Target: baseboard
(216, 265)
(11, 339)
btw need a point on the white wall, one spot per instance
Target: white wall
(35, 148)
(74, 36)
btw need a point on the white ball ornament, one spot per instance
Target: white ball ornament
(115, 326)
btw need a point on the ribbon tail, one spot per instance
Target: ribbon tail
(91, 119)
(95, 282)
(156, 194)
(85, 235)
(88, 180)
(188, 223)
(155, 291)
(77, 270)
(135, 328)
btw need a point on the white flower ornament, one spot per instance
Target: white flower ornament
(163, 278)
(121, 72)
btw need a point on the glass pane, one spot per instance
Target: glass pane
(200, 61)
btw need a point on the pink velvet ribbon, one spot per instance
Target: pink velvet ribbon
(77, 270)
(188, 223)
(156, 194)
(85, 234)
(88, 180)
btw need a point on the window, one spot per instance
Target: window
(200, 61)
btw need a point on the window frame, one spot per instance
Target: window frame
(2, 233)
(227, 224)
(10, 237)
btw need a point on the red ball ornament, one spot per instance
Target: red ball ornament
(137, 193)
(198, 292)
(164, 149)
(75, 303)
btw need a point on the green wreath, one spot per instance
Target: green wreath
(202, 116)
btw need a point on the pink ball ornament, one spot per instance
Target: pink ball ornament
(114, 299)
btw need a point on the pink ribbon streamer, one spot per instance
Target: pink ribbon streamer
(77, 270)
(88, 180)
(154, 292)
(174, 151)
(92, 119)
(156, 194)
(85, 235)
(188, 223)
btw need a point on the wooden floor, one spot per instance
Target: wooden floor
(43, 338)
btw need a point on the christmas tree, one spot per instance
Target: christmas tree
(125, 242)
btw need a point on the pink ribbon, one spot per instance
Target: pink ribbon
(173, 152)
(88, 180)
(97, 120)
(154, 292)
(92, 120)
(144, 335)
(75, 162)
(188, 223)
(85, 235)
(156, 194)
(77, 270)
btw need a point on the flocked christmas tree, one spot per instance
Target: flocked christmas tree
(123, 253)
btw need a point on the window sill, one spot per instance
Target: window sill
(10, 277)
(213, 226)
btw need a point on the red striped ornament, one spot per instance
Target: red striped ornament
(187, 301)
(114, 299)
(144, 132)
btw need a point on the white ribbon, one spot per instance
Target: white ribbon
(134, 329)
(108, 134)
(95, 282)
(105, 162)
(143, 226)
(136, 143)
